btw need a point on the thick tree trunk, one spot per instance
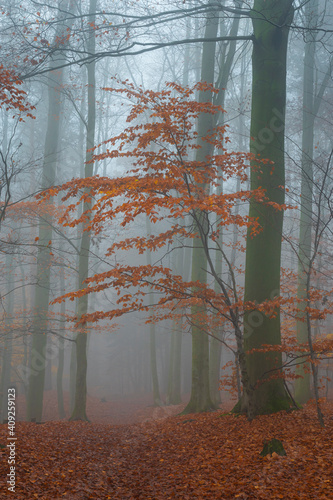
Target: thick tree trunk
(263, 252)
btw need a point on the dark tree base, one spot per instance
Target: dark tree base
(274, 445)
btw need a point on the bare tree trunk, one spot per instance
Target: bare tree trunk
(79, 411)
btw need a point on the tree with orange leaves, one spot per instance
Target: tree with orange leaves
(166, 184)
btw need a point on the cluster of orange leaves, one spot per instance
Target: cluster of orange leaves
(11, 95)
(168, 185)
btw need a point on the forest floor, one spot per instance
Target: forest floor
(157, 454)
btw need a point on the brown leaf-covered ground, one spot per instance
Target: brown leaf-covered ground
(207, 456)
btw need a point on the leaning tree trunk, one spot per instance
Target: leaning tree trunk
(200, 399)
(263, 252)
(79, 411)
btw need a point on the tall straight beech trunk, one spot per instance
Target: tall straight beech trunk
(79, 411)
(302, 385)
(42, 288)
(263, 252)
(200, 399)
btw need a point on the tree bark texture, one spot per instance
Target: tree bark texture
(263, 252)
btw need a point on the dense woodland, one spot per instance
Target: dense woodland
(166, 228)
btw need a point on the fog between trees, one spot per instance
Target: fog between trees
(231, 285)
